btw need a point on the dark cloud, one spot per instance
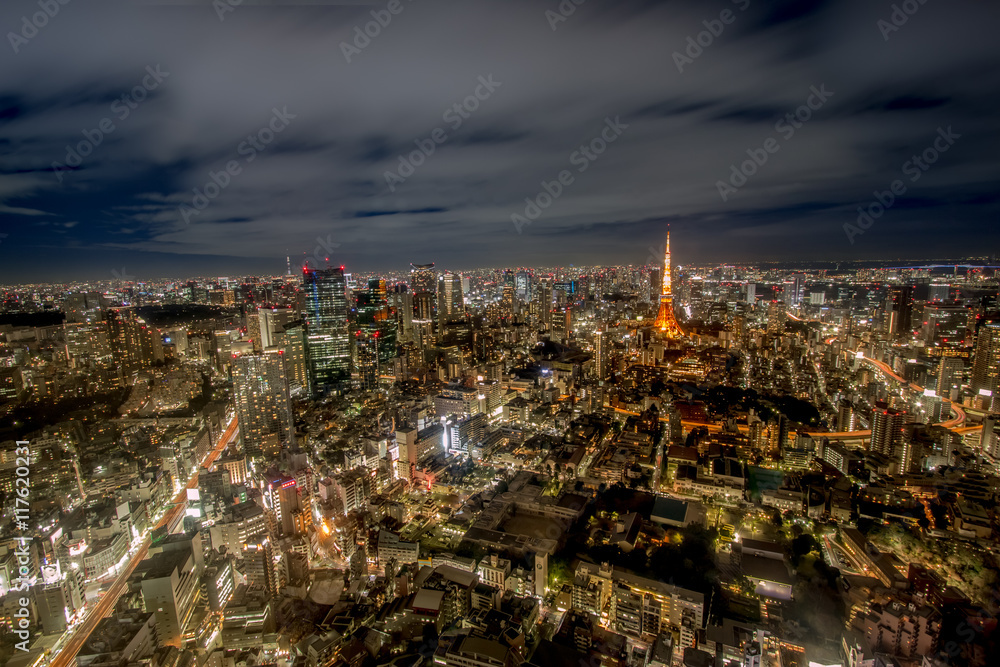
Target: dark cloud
(324, 175)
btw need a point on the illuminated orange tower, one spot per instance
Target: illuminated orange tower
(666, 324)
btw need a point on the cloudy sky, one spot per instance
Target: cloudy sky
(183, 87)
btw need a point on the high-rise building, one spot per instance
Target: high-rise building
(133, 343)
(170, 590)
(887, 429)
(776, 316)
(401, 302)
(794, 287)
(263, 407)
(271, 321)
(375, 333)
(329, 342)
(988, 440)
(846, 418)
(545, 301)
(451, 301)
(986, 362)
(666, 323)
(938, 293)
(900, 311)
(601, 356)
(949, 375)
(293, 341)
(507, 302)
(522, 285)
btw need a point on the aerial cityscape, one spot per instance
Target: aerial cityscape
(541, 334)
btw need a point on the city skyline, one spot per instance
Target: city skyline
(558, 333)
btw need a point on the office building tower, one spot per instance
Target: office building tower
(846, 421)
(271, 322)
(170, 591)
(281, 496)
(423, 283)
(375, 333)
(258, 559)
(938, 293)
(401, 303)
(263, 407)
(778, 431)
(988, 440)
(293, 342)
(507, 302)
(545, 301)
(887, 429)
(949, 375)
(986, 361)
(463, 434)
(776, 316)
(601, 354)
(666, 323)
(253, 329)
(451, 300)
(794, 287)
(900, 311)
(522, 286)
(329, 342)
(751, 293)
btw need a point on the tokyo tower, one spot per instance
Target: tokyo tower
(666, 324)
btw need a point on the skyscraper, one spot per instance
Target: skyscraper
(271, 321)
(293, 341)
(949, 375)
(776, 317)
(900, 307)
(375, 333)
(263, 407)
(329, 343)
(986, 362)
(545, 301)
(794, 288)
(666, 324)
(601, 344)
(451, 301)
(887, 429)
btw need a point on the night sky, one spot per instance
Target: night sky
(533, 86)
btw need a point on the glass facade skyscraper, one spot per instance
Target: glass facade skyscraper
(329, 341)
(375, 334)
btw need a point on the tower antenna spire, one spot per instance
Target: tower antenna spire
(666, 324)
